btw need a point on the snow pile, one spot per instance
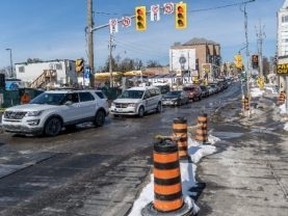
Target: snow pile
(256, 92)
(196, 151)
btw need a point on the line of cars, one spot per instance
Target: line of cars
(49, 112)
(193, 93)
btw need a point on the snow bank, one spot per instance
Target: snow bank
(188, 170)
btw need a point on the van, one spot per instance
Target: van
(137, 101)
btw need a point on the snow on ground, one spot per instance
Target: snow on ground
(256, 92)
(196, 151)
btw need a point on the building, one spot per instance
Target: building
(198, 57)
(39, 74)
(282, 40)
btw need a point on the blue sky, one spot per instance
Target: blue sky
(54, 29)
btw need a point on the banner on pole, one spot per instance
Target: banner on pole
(155, 13)
(113, 23)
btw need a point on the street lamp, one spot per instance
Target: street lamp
(11, 62)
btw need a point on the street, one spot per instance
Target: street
(100, 171)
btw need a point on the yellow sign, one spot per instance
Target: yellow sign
(282, 69)
(238, 61)
(260, 82)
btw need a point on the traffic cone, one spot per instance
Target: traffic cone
(202, 130)
(168, 198)
(281, 98)
(180, 136)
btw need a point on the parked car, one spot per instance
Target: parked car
(175, 98)
(50, 111)
(194, 92)
(137, 101)
(205, 91)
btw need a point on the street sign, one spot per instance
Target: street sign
(282, 69)
(126, 21)
(168, 8)
(113, 23)
(155, 13)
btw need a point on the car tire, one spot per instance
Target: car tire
(99, 119)
(52, 127)
(141, 112)
(159, 108)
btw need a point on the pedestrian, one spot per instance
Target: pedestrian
(25, 98)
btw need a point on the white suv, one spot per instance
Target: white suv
(137, 101)
(50, 111)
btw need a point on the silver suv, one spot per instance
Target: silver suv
(137, 101)
(49, 112)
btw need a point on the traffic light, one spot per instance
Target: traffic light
(255, 61)
(238, 61)
(181, 16)
(79, 65)
(140, 16)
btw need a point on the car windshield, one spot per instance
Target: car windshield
(135, 94)
(49, 98)
(173, 94)
(189, 88)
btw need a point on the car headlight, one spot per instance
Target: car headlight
(112, 104)
(34, 113)
(132, 105)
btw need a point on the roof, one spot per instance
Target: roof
(199, 41)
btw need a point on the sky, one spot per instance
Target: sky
(53, 29)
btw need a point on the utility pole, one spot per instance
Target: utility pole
(247, 49)
(260, 37)
(111, 46)
(89, 31)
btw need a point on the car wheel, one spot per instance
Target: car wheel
(141, 112)
(53, 127)
(159, 108)
(99, 118)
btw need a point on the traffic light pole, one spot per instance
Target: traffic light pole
(90, 24)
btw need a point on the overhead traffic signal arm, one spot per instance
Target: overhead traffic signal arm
(181, 16)
(140, 18)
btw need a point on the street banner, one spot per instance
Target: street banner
(168, 8)
(113, 24)
(126, 22)
(155, 13)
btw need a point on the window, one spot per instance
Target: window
(100, 95)
(21, 69)
(71, 97)
(86, 96)
(58, 66)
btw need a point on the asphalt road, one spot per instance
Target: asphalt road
(89, 171)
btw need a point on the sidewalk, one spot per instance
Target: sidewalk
(249, 173)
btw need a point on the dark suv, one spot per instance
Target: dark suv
(194, 92)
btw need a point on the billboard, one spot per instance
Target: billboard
(182, 59)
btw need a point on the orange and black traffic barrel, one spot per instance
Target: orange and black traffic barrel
(246, 105)
(180, 136)
(168, 196)
(281, 98)
(202, 130)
